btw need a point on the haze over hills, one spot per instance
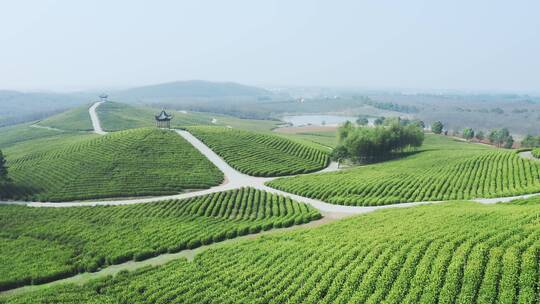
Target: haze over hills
(519, 113)
(17, 107)
(192, 89)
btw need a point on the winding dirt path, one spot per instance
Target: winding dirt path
(95, 119)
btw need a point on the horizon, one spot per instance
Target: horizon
(360, 89)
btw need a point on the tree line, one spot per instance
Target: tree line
(361, 144)
(500, 138)
(3, 170)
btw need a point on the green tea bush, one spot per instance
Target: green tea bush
(46, 244)
(260, 154)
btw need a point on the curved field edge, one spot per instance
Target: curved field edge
(138, 162)
(442, 170)
(61, 242)
(457, 252)
(261, 154)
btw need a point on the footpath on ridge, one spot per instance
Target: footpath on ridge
(95, 119)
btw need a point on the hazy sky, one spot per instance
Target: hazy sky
(67, 45)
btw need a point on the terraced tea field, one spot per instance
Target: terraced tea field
(116, 116)
(261, 154)
(442, 170)
(13, 135)
(76, 119)
(59, 242)
(445, 253)
(138, 162)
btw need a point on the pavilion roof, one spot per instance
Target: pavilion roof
(163, 116)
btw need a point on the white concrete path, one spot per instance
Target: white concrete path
(95, 119)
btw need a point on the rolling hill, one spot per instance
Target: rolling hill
(60, 242)
(185, 90)
(261, 154)
(136, 162)
(457, 252)
(443, 169)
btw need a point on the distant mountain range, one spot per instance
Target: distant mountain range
(18, 107)
(194, 89)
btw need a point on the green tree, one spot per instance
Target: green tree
(468, 133)
(372, 144)
(498, 137)
(531, 141)
(437, 127)
(480, 135)
(379, 121)
(419, 123)
(362, 121)
(508, 142)
(3, 168)
(344, 130)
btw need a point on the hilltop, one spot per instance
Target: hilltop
(192, 89)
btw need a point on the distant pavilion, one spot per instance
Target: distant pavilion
(163, 120)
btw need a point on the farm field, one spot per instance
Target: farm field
(59, 242)
(327, 138)
(457, 252)
(116, 116)
(16, 134)
(76, 119)
(443, 169)
(261, 154)
(136, 162)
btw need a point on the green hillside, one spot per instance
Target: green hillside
(59, 242)
(116, 116)
(76, 119)
(137, 162)
(443, 170)
(444, 253)
(261, 154)
(12, 135)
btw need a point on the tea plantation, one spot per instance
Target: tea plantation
(456, 252)
(137, 162)
(76, 119)
(44, 244)
(442, 170)
(116, 116)
(260, 154)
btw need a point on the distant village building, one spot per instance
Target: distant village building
(163, 120)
